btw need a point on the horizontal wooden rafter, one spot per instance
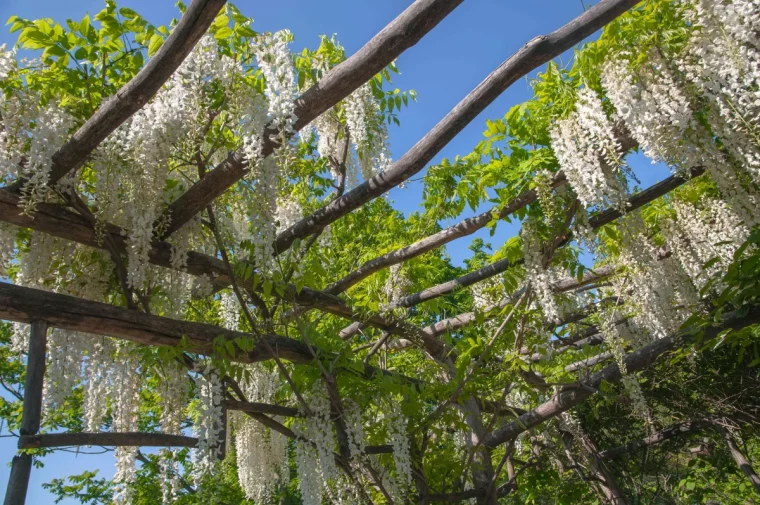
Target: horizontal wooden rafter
(106, 439)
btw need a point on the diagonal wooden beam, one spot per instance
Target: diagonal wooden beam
(400, 34)
(638, 360)
(136, 93)
(534, 54)
(461, 229)
(597, 221)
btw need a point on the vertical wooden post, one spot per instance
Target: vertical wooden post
(18, 482)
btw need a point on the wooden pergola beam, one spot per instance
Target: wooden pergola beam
(534, 54)
(638, 360)
(263, 408)
(597, 221)
(135, 94)
(400, 34)
(106, 439)
(25, 305)
(463, 228)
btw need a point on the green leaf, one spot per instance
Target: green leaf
(155, 44)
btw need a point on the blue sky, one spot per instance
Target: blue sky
(442, 68)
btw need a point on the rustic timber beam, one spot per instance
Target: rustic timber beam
(24, 305)
(129, 99)
(400, 34)
(461, 229)
(597, 221)
(589, 362)
(106, 439)
(263, 408)
(534, 54)
(59, 222)
(638, 360)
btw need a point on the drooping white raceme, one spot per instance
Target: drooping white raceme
(99, 371)
(125, 392)
(614, 340)
(539, 277)
(723, 59)
(656, 110)
(229, 310)
(701, 234)
(16, 114)
(274, 59)
(169, 476)
(8, 234)
(263, 213)
(50, 133)
(289, 212)
(399, 439)
(208, 424)
(369, 134)
(649, 284)
(589, 153)
(7, 61)
(125, 399)
(356, 108)
(395, 285)
(355, 429)
(309, 475)
(173, 389)
(63, 370)
(262, 457)
(125, 476)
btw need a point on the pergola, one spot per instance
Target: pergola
(44, 310)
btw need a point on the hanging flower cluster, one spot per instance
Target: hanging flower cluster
(274, 60)
(589, 153)
(653, 286)
(355, 429)
(616, 342)
(262, 460)
(208, 425)
(7, 61)
(125, 407)
(540, 278)
(701, 234)
(315, 459)
(723, 59)
(399, 439)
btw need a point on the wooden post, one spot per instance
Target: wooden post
(18, 482)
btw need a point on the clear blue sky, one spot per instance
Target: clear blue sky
(442, 68)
